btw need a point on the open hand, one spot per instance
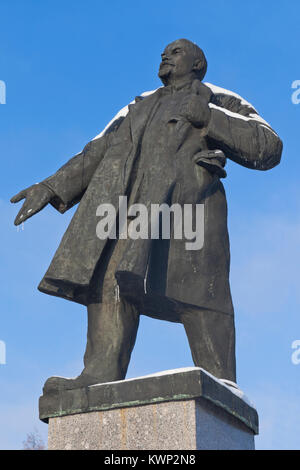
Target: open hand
(36, 198)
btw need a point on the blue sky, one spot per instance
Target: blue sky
(69, 66)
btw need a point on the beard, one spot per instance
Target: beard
(164, 72)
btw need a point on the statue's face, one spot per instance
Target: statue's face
(177, 61)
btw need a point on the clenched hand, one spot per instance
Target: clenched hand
(194, 106)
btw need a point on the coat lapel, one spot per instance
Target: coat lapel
(140, 113)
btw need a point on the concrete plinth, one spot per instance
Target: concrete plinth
(185, 409)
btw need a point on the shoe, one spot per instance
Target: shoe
(56, 384)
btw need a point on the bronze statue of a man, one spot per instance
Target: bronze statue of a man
(168, 147)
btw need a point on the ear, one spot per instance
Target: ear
(200, 68)
(198, 65)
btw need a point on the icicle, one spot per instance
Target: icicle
(145, 278)
(22, 226)
(117, 294)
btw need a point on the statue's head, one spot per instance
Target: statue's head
(182, 58)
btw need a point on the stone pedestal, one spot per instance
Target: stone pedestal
(184, 409)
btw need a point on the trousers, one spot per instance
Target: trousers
(113, 322)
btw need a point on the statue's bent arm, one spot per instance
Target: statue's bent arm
(247, 140)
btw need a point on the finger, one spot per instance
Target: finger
(23, 214)
(26, 212)
(18, 197)
(21, 217)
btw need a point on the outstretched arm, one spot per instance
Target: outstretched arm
(66, 187)
(69, 183)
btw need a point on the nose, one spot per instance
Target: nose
(164, 57)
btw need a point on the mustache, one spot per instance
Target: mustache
(166, 62)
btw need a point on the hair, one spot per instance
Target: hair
(199, 57)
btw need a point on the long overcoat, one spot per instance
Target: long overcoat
(117, 163)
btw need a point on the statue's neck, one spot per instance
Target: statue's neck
(180, 83)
